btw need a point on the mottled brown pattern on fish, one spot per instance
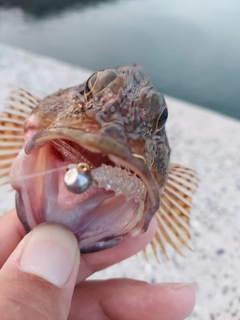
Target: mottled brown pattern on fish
(117, 114)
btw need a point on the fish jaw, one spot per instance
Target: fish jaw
(99, 218)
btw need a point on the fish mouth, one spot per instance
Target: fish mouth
(105, 214)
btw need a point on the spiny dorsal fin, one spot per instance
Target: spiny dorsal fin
(173, 216)
(17, 109)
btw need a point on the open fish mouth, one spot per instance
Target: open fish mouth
(119, 204)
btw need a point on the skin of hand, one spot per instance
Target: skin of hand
(42, 276)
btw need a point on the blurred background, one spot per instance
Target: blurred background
(190, 49)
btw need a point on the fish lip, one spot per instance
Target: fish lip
(101, 143)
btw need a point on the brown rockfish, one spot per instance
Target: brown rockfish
(113, 125)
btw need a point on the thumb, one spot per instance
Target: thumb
(38, 279)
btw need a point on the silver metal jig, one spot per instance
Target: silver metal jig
(78, 178)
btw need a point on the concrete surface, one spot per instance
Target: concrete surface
(205, 141)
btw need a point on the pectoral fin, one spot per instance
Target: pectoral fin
(17, 109)
(173, 216)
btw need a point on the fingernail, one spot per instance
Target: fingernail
(50, 252)
(175, 285)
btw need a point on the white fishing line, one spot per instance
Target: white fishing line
(39, 174)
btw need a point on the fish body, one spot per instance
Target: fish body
(115, 124)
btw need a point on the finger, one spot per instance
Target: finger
(125, 299)
(38, 279)
(11, 233)
(93, 262)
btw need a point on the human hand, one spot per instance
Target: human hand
(39, 272)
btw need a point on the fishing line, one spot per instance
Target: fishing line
(42, 173)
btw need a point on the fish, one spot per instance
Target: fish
(114, 125)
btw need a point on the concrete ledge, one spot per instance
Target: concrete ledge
(201, 139)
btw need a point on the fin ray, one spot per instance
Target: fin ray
(10, 144)
(10, 112)
(177, 194)
(24, 93)
(29, 106)
(173, 216)
(4, 120)
(18, 107)
(181, 234)
(11, 137)
(169, 235)
(176, 216)
(3, 172)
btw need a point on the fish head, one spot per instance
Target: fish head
(115, 123)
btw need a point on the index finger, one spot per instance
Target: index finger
(11, 233)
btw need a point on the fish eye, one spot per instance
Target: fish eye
(98, 81)
(90, 83)
(162, 119)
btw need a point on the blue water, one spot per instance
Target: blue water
(190, 49)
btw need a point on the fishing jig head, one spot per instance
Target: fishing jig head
(78, 178)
